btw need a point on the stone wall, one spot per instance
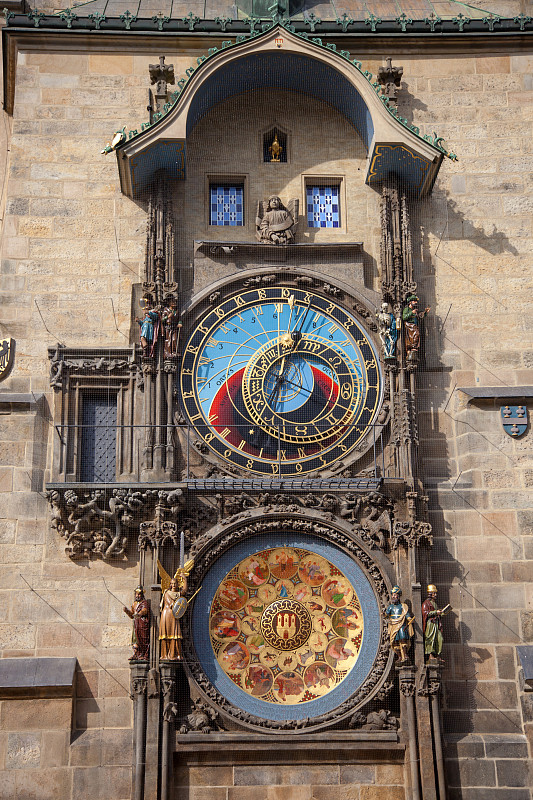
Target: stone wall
(72, 249)
(271, 780)
(478, 477)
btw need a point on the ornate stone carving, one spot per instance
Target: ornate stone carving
(381, 720)
(385, 691)
(63, 362)
(429, 687)
(407, 687)
(170, 712)
(411, 534)
(390, 79)
(202, 719)
(377, 524)
(275, 223)
(161, 75)
(370, 515)
(405, 428)
(395, 248)
(139, 686)
(260, 280)
(99, 523)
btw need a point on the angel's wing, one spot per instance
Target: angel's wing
(293, 206)
(165, 577)
(260, 212)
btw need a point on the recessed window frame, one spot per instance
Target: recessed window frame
(90, 437)
(227, 180)
(326, 180)
(80, 378)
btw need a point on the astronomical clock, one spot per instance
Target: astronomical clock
(280, 380)
(282, 386)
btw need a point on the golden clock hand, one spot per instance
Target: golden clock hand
(286, 339)
(296, 334)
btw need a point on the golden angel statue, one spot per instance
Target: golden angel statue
(173, 607)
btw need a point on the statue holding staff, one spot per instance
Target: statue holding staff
(140, 614)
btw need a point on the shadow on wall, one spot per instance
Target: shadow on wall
(475, 695)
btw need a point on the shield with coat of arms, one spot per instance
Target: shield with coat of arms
(514, 420)
(7, 356)
(180, 607)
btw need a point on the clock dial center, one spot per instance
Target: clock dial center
(288, 383)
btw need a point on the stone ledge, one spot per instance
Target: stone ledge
(19, 402)
(496, 392)
(320, 747)
(37, 677)
(489, 745)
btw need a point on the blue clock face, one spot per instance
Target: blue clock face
(280, 381)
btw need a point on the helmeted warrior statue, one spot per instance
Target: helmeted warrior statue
(400, 624)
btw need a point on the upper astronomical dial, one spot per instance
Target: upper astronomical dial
(280, 381)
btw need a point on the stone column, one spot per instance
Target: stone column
(139, 686)
(168, 682)
(407, 688)
(433, 690)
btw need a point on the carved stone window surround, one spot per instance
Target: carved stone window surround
(77, 372)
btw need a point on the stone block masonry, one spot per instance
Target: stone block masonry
(73, 248)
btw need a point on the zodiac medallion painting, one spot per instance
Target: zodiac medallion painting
(286, 625)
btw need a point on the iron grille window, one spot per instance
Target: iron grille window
(323, 210)
(98, 437)
(226, 204)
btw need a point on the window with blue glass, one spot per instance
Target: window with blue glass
(323, 210)
(226, 204)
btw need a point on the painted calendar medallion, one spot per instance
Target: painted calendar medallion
(233, 595)
(225, 625)
(286, 625)
(254, 571)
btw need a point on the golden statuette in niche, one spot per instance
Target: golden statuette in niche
(275, 149)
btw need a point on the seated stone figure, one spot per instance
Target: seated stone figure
(275, 223)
